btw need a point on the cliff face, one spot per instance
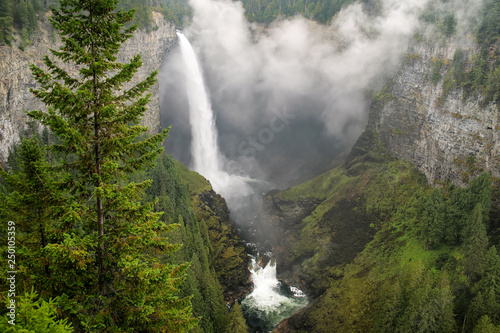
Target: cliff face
(437, 135)
(227, 252)
(412, 120)
(16, 80)
(228, 256)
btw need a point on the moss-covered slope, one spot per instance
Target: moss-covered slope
(218, 272)
(374, 257)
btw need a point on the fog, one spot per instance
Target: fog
(290, 98)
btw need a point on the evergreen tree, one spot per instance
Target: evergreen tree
(21, 16)
(475, 243)
(96, 115)
(487, 299)
(34, 314)
(237, 322)
(462, 204)
(486, 326)
(6, 23)
(34, 200)
(432, 222)
(390, 310)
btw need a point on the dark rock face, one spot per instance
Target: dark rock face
(16, 79)
(437, 134)
(285, 217)
(346, 225)
(228, 255)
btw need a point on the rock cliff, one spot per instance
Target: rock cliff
(412, 120)
(16, 80)
(437, 134)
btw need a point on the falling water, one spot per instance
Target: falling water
(271, 301)
(204, 148)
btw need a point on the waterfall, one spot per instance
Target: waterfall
(271, 301)
(204, 148)
(266, 287)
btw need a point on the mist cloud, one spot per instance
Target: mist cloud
(317, 74)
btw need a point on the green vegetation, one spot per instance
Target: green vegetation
(173, 10)
(36, 315)
(79, 213)
(436, 71)
(104, 240)
(479, 73)
(21, 17)
(217, 256)
(389, 253)
(449, 24)
(322, 11)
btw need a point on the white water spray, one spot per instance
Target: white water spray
(266, 288)
(204, 148)
(267, 303)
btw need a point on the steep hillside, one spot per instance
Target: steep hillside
(218, 273)
(434, 127)
(440, 110)
(403, 236)
(228, 256)
(362, 240)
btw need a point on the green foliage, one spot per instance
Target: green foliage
(432, 219)
(489, 28)
(462, 202)
(104, 250)
(236, 321)
(218, 259)
(456, 76)
(487, 291)
(35, 315)
(486, 326)
(436, 71)
(475, 242)
(418, 303)
(393, 284)
(449, 24)
(483, 78)
(265, 11)
(20, 16)
(6, 23)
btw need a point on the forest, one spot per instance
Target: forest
(112, 234)
(107, 232)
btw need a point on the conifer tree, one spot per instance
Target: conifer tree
(6, 23)
(486, 326)
(236, 320)
(97, 115)
(36, 315)
(475, 243)
(487, 290)
(432, 222)
(33, 201)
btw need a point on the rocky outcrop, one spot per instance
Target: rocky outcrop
(434, 133)
(16, 79)
(285, 219)
(228, 256)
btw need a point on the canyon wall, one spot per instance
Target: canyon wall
(16, 79)
(437, 134)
